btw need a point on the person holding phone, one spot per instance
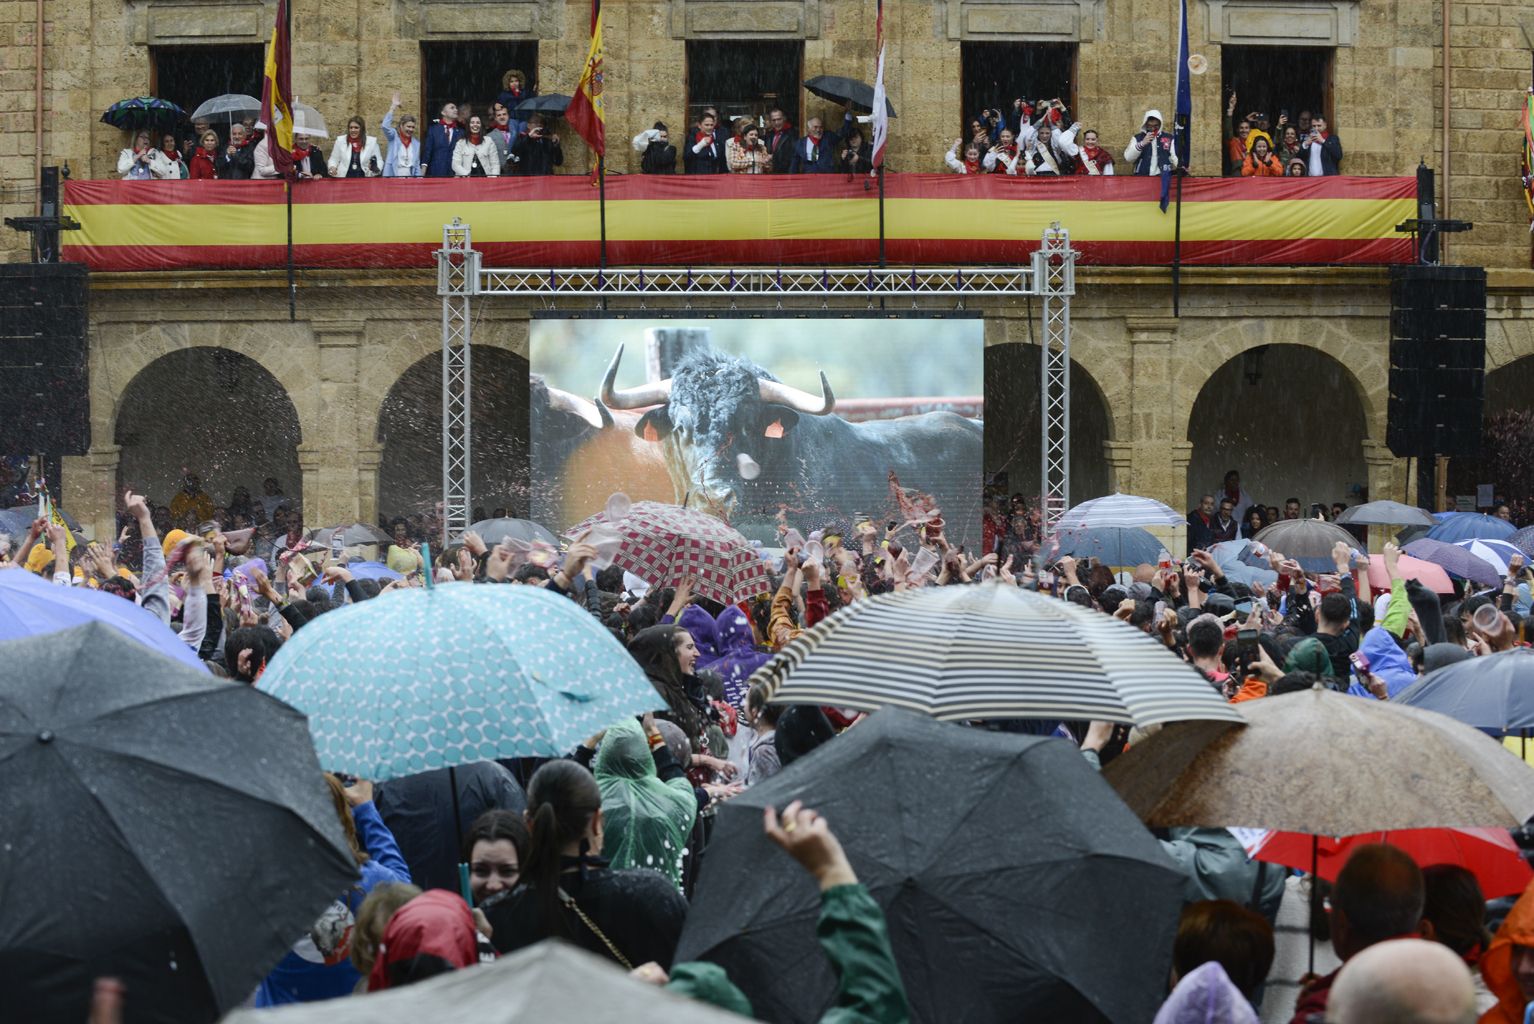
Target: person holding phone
(1322, 150)
(537, 150)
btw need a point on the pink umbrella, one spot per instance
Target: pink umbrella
(664, 544)
(1426, 573)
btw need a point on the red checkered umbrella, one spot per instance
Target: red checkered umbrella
(665, 544)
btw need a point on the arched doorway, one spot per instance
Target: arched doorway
(1012, 424)
(1289, 419)
(410, 431)
(212, 412)
(1506, 458)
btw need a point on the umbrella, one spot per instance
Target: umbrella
(1239, 563)
(31, 606)
(1120, 510)
(373, 571)
(142, 112)
(1489, 853)
(843, 90)
(548, 103)
(1307, 541)
(1495, 691)
(441, 676)
(989, 651)
(1455, 560)
(1003, 864)
(664, 544)
(1523, 540)
(1386, 513)
(497, 531)
(429, 828)
(353, 535)
(1112, 545)
(18, 520)
(307, 121)
(1469, 526)
(182, 804)
(1496, 553)
(552, 981)
(1352, 765)
(1432, 576)
(232, 105)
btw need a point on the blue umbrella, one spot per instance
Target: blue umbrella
(1113, 545)
(1456, 527)
(142, 112)
(1494, 692)
(30, 606)
(373, 571)
(1454, 560)
(441, 676)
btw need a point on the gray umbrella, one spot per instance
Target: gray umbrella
(1491, 692)
(161, 828)
(494, 531)
(1307, 541)
(1386, 513)
(352, 535)
(232, 106)
(551, 981)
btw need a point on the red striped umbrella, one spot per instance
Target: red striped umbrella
(665, 544)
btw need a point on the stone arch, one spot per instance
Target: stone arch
(213, 411)
(409, 430)
(393, 348)
(1246, 417)
(1012, 423)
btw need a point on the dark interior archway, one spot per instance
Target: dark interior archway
(1290, 419)
(214, 412)
(410, 430)
(1012, 424)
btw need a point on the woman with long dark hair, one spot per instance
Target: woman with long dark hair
(1255, 520)
(567, 891)
(669, 656)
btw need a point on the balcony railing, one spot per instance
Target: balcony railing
(812, 220)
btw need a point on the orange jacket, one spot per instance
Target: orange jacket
(1497, 964)
(1253, 688)
(1269, 167)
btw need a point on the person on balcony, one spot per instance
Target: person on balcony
(1322, 150)
(403, 159)
(746, 153)
(1005, 156)
(856, 156)
(704, 154)
(1040, 159)
(437, 146)
(200, 164)
(659, 155)
(503, 136)
(780, 143)
(1151, 149)
(1295, 168)
(537, 151)
(1089, 156)
(176, 167)
(1260, 163)
(514, 91)
(475, 155)
(815, 153)
(1288, 147)
(971, 162)
(238, 161)
(355, 154)
(141, 161)
(1236, 139)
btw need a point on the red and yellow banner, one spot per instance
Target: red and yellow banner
(730, 220)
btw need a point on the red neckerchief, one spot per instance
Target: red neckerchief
(357, 146)
(473, 139)
(137, 149)
(300, 155)
(172, 154)
(704, 135)
(777, 136)
(1097, 156)
(449, 125)
(971, 166)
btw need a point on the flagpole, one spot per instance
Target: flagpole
(881, 217)
(602, 210)
(1177, 243)
(292, 175)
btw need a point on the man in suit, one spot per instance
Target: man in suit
(780, 141)
(704, 152)
(437, 146)
(503, 135)
(816, 152)
(238, 160)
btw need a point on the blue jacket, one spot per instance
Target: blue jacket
(1387, 661)
(391, 160)
(437, 150)
(308, 973)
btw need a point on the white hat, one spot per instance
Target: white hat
(1153, 113)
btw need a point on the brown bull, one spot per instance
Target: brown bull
(582, 453)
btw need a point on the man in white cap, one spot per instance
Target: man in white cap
(1151, 149)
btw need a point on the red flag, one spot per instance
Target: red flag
(586, 113)
(277, 95)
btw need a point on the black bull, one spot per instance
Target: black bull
(741, 444)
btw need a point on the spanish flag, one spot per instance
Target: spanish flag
(586, 113)
(277, 95)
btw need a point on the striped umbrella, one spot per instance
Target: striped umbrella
(989, 651)
(1496, 553)
(1456, 560)
(1459, 526)
(1523, 540)
(1119, 509)
(664, 544)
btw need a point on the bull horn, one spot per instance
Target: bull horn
(800, 401)
(564, 401)
(605, 413)
(632, 398)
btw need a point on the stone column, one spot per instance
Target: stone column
(1155, 417)
(89, 492)
(331, 456)
(368, 460)
(1386, 476)
(1120, 458)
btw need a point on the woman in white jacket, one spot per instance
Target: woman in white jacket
(142, 162)
(475, 155)
(355, 154)
(971, 162)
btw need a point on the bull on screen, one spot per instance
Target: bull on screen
(758, 419)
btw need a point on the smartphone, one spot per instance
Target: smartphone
(1360, 662)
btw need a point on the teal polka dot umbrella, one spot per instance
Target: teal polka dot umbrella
(432, 678)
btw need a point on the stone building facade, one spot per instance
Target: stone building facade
(1161, 392)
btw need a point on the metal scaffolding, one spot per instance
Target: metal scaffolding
(1054, 271)
(1051, 276)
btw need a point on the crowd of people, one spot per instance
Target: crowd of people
(608, 850)
(1031, 138)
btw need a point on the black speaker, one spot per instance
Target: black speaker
(1437, 360)
(45, 400)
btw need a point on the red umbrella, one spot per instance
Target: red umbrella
(1489, 853)
(1434, 577)
(664, 544)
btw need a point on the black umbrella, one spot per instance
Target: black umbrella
(548, 103)
(842, 90)
(1015, 884)
(142, 112)
(159, 827)
(429, 823)
(1493, 692)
